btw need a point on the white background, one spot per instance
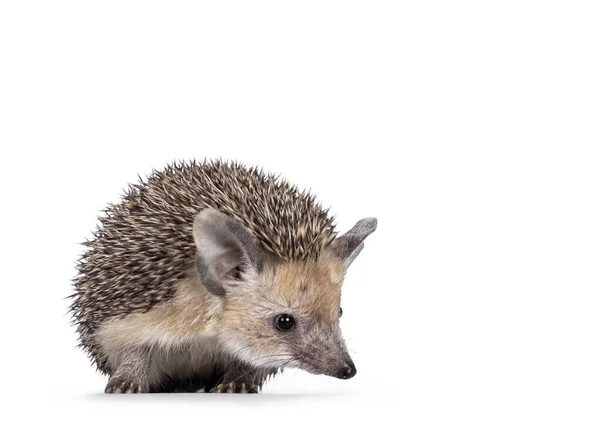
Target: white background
(470, 129)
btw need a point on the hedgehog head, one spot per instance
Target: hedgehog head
(277, 313)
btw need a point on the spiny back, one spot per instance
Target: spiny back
(144, 244)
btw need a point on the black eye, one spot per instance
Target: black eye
(341, 312)
(284, 322)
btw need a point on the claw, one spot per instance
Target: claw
(234, 388)
(118, 386)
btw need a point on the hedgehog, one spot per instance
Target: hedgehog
(213, 277)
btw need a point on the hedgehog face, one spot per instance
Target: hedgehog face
(289, 317)
(277, 313)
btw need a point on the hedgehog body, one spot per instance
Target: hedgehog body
(171, 264)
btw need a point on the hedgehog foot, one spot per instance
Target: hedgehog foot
(131, 376)
(123, 385)
(234, 387)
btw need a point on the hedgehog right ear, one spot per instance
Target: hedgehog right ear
(226, 250)
(350, 244)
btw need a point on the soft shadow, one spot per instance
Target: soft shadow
(260, 398)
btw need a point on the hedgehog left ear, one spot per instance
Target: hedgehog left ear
(226, 250)
(349, 245)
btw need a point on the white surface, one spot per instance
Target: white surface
(470, 129)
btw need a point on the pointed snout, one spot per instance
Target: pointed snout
(346, 371)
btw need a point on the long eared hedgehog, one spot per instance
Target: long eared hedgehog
(213, 277)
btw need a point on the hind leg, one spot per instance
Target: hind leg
(132, 373)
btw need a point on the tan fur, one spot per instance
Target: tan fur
(191, 315)
(196, 327)
(312, 288)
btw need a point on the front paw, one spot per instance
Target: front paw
(118, 385)
(233, 387)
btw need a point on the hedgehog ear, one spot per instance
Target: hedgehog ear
(226, 250)
(348, 246)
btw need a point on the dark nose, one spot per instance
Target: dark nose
(347, 371)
